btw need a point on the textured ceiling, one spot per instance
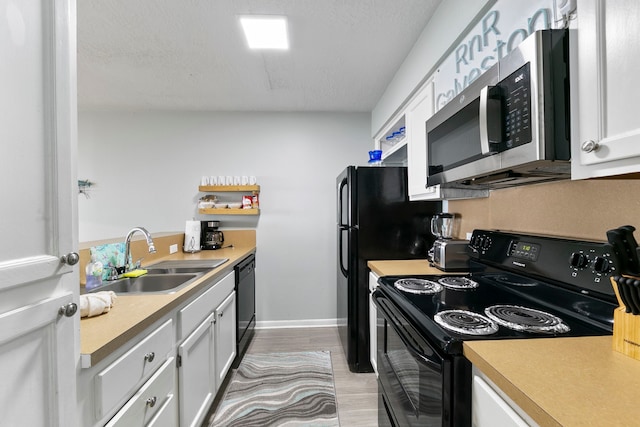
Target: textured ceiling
(191, 54)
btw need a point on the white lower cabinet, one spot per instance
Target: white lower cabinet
(121, 377)
(139, 385)
(373, 323)
(196, 373)
(203, 354)
(225, 337)
(155, 404)
(491, 408)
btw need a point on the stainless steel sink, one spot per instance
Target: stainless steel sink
(176, 270)
(165, 277)
(150, 283)
(200, 265)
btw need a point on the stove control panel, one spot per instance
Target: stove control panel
(586, 265)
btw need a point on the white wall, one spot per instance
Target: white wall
(147, 167)
(450, 21)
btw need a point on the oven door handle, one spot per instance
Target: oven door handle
(386, 310)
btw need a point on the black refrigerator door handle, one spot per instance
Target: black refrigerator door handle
(345, 272)
(343, 184)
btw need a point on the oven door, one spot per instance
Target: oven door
(412, 375)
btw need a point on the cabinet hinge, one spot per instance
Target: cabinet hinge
(179, 361)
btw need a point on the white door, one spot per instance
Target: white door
(39, 347)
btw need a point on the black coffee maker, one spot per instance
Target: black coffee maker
(211, 237)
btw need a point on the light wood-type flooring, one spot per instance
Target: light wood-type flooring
(357, 394)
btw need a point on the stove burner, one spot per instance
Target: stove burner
(454, 282)
(466, 322)
(418, 286)
(526, 319)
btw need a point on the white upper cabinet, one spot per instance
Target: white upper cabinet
(606, 133)
(418, 111)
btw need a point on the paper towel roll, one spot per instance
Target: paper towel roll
(192, 237)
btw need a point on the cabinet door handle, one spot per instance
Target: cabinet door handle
(151, 402)
(221, 313)
(149, 356)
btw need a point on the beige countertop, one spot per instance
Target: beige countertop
(403, 267)
(564, 381)
(130, 315)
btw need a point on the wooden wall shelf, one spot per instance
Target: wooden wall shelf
(229, 188)
(227, 211)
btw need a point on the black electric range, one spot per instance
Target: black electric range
(519, 286)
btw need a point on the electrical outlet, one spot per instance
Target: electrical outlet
(173, 249)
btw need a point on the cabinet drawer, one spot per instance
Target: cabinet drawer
(154, 404)
(122, 376)
(196, 311)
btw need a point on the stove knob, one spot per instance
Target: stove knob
(601, 265)
(578, 260)
(486, 244)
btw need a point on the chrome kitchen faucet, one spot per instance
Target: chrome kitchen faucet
(127, 250)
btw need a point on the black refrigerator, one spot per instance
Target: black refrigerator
(375, 221)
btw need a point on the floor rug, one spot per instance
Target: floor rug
(280, 389)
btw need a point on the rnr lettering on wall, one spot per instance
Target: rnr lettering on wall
(482, 50)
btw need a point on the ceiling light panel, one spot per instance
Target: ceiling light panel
(265, 32)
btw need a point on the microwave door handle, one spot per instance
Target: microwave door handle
(489, 107)
(484, 125)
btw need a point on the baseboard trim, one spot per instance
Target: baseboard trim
(305, 323)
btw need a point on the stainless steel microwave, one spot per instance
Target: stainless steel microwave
(511, 125)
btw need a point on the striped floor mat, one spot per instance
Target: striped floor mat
(280, 389)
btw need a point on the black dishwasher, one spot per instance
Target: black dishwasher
(245, 305)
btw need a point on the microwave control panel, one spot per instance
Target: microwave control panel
(516, 92)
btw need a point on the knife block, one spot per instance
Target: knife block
(626, 329)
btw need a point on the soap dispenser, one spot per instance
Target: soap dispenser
(93, 272)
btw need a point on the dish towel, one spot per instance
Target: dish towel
(97, 303)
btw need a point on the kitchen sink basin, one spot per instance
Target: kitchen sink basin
(149, 283)
(176, 270)
(165, 277)
(186, 266)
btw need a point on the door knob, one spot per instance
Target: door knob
(71, 258)
(590, 146)
(68, 309)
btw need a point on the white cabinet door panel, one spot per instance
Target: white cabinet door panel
(607, 89)
(35, 346)
(490, 410)
(416, 117)
(196, 374)
(373, 323)
(153, 404)
(126, 373)
(225, 337)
